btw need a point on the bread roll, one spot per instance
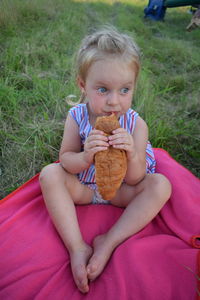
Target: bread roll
(110, 164)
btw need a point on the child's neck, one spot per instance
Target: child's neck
(92, 117)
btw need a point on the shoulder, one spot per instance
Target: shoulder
(132, 113)
(136, 119)
(141, 124)
(78, 112)
(79, 108)
(141, 129)
(128, 120)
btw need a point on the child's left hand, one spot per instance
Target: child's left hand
(121, 139)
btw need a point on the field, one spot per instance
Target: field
(38, 40)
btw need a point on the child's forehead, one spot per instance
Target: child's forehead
(109, 65)
(111, 72)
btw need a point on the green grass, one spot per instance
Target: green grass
(38, 39)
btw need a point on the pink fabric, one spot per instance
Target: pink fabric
(157, 263)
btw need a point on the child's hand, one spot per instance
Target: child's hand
(96, 141)
(121, 139)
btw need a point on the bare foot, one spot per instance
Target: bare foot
(102, 252)
(79, 261)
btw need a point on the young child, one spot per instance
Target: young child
(108, 64)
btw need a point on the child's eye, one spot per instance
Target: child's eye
(124, 90)
(102, 90)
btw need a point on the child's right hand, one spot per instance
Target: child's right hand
(95, 142)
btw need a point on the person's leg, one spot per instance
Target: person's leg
(60, 191)
(142, 202)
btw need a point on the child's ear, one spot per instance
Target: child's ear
(81, 84)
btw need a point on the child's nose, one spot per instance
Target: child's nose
(113, 98)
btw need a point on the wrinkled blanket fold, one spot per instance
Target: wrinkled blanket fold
(159, 262)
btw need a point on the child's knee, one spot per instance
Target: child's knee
(49, 173)
(161, 186)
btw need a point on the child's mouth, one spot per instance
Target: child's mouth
(111, 112)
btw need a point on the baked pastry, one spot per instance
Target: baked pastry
(110, 164)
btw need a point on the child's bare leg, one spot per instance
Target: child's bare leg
(58, 188)
(142, 202)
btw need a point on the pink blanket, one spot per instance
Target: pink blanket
(160, 262)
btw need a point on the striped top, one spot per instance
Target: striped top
(127, 121)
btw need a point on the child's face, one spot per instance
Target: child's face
(109, 87)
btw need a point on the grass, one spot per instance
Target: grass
(38, 40)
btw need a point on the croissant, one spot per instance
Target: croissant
(110, 164)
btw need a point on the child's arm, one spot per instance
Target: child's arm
(137, 163)
(135, 147)
(71, 157)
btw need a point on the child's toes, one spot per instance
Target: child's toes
(92, 269)
(81, 280)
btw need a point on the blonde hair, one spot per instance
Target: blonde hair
(104, 43)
